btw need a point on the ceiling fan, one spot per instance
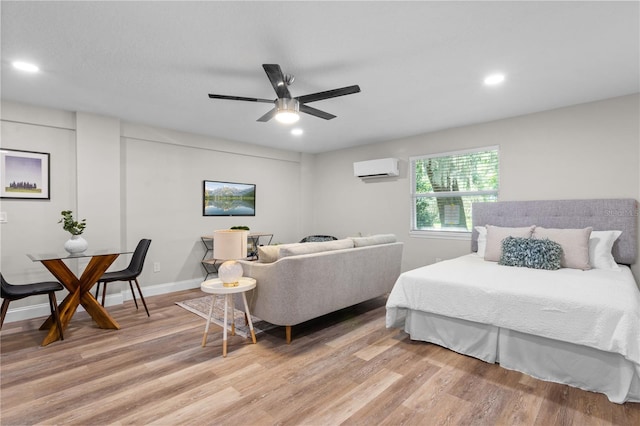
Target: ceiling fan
(286, 108)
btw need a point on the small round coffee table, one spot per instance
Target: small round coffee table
(215, 286)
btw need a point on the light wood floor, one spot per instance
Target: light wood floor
(341, 369)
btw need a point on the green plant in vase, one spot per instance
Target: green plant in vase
(76, 244)
(72, 226)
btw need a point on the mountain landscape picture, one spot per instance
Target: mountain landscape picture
(228, 199)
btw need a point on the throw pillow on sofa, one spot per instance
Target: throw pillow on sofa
(373, 240)
(309, 248)
(269, 254)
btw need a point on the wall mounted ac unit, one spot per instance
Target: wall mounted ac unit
(376, 168)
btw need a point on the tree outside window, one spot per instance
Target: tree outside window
(445, 185)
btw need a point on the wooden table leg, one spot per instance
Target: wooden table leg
(79, 294)
(66, 310)
(98, 312)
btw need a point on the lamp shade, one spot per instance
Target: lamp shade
(230, 244)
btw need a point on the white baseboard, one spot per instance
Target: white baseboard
(112, 299)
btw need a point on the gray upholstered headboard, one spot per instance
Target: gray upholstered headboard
(602, 215)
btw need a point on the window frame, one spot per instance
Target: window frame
(414, 196)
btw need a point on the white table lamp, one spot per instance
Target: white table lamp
(229, 245)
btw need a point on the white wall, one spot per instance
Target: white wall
(131, 182)
(163, 201)
(585, 151)
(32, 224)
(98, 178)
(140, 181)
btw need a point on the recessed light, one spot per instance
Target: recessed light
(25, 66)
(494, 79)
(297, 131)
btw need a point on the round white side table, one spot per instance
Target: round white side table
(215, 286)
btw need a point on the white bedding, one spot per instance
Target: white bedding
(595, 308)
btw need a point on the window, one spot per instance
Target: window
(443, 186)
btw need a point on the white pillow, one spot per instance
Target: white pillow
(600, 244)
(482, 240)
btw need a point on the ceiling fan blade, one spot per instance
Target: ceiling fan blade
(309, 110)
(268, 116)
(276, 77)
(241, 98)
(329, 94)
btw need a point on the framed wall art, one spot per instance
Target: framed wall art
(24, 175)
(228, 199)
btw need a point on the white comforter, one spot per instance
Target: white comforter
(596, 308)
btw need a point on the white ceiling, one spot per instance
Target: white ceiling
(420, 65)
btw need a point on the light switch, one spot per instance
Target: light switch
(3, 217)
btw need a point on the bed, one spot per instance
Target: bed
(572, 326)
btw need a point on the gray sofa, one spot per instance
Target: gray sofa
(301, 281)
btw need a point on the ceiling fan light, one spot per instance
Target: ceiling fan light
(287, 116)
(287, 110)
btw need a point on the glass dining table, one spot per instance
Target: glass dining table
(78, 287)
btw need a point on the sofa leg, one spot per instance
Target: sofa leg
(287, 329)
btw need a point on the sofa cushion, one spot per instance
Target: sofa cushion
(308, 248)
(268, 254)
(373, 240)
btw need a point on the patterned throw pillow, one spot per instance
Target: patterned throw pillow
(531, 253)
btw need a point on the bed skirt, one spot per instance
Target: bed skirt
(545, 359)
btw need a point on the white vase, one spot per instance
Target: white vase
(76, 244)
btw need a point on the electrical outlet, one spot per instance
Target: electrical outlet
(156, 266)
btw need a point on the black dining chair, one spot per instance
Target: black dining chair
(11, 292)
(130, 274)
